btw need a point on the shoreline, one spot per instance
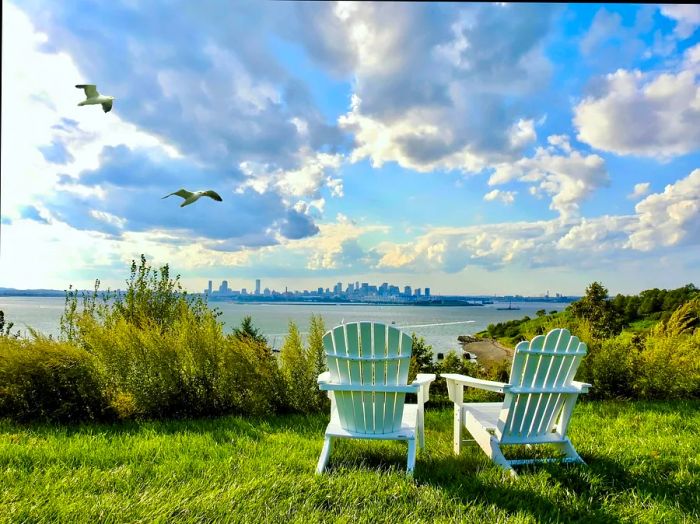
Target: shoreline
(487, 350)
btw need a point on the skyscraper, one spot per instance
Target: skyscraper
(209, 288)
(257, 286)
(427, 291)
(223, 288)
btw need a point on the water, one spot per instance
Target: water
(440, 326)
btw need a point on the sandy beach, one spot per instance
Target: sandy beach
(488, 350)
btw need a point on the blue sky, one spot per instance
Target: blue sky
(471, 148)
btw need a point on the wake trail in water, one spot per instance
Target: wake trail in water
(438, 324)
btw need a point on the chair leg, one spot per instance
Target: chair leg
(567, 448)
(411, 462)
(325, 454)
(421, 429)
(457, 438)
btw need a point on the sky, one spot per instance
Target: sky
(485, 148)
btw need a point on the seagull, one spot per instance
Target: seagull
(93, 97)
(193, 197)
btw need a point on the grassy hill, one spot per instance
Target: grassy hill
(643, 466)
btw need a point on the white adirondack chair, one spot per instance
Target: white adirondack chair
(538, 400)
(367, 385)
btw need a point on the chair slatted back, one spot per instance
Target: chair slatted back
(368, 353)
(542, 370)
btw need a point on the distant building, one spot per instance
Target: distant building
(267, 292)
(223, 288)
(338, 289)
(417, 292)
(407, 291)
(427, 291)
(320, 291)
(257, 286)
(209, 287)
(244, 291)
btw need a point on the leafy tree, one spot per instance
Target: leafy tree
(5, 328)
(247, 330)
(297, 371)
(540, 313)
(598, 310)
(421, 357)
(317, 359)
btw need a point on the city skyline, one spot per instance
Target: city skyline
(488, 148)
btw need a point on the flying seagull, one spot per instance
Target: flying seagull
(93, 97)
(191, 197)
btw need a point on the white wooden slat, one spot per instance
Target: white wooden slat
(355, 369)
(378, 351)
(520, 423)
(392, 377)
(553, 340)
(344, 399)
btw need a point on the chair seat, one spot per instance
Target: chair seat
(409, 423)
(485, 413)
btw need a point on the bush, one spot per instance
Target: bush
(297, 370)
(41, 379)
(611, 368)
(669, 367)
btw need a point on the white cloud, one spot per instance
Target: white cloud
(669, 218)
(568, 176)
(639, 191)
(687, 17)
(639, 115)
(315, 173)
(507, 197)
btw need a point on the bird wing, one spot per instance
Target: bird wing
(90, 90)
(181, 193)
(107, 106)
(212, 194)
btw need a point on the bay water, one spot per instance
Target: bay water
(439, 325)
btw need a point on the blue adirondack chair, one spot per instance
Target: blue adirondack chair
(367, 386)
(538, 403)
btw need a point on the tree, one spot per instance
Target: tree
(296, 371)
(317, 359)
(6, 327)
(421, 357)
(598, 310)
(247, 330)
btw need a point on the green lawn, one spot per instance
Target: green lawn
(643, 466)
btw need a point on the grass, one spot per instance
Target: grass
(643, 466)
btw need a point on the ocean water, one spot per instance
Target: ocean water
(439, 325)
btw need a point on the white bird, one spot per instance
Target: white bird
(93, 97)
(191, 197)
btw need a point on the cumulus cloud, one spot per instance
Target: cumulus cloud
(686, 16)
(670, 218)
(434, 89)
(567, 175)
(225, 105)
(507, 197)
(636, 114)
(639, 190)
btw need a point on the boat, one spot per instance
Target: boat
(509, 308)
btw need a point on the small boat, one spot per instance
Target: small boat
(509, 308)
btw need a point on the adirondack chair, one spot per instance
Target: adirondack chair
(538, 400)
(367, 385)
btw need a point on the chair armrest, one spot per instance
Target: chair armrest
(581, 386)
(324, 377)
(456, 383)
(488, 385)
(423, 381)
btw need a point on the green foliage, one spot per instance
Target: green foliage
(6, 327)
(669, 367)
(317, 361)
(42, 379)
(421, 358)
(247, 330)
(611, 367)
(598, 310)
(297, 370)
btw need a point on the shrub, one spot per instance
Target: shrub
(611, 368)
(317, 361)
(669, 367)
(41, 379)
(297, 371)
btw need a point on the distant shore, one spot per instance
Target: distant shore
(487, 350)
